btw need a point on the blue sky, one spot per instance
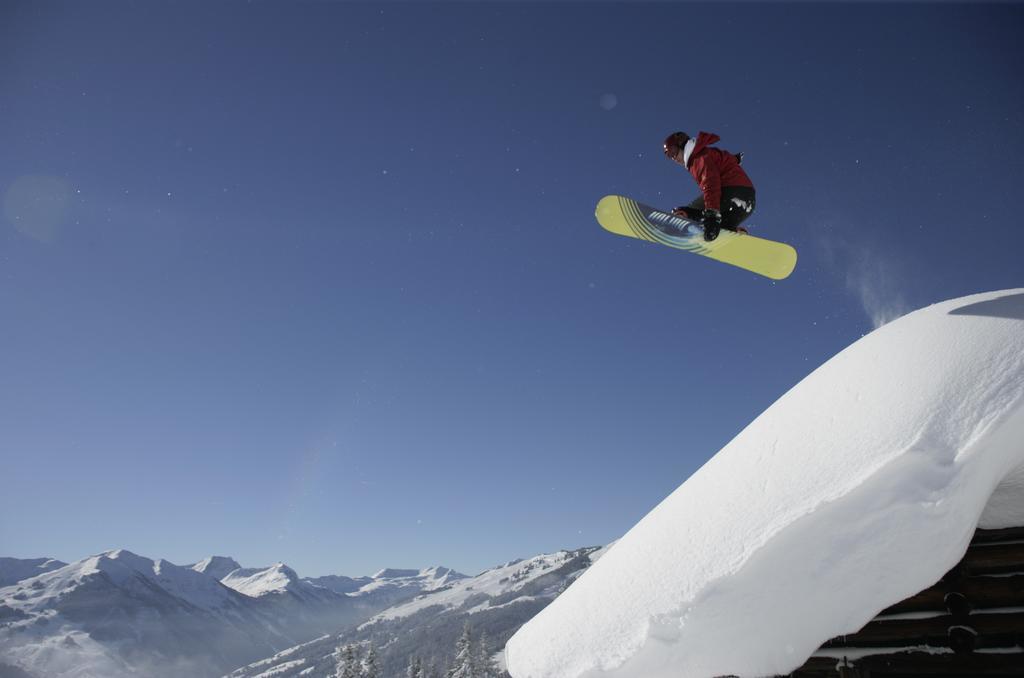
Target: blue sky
(321, 283)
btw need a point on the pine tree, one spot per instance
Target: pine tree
(339, 662)
(464, 665)
(349, 665)
(370, 664)
(431, 671)
(415, 669)
(485, 665)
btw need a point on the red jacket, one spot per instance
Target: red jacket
(713, 168)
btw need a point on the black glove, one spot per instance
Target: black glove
(739, 158)
(712, 218)
(712, 224)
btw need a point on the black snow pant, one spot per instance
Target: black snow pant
(737, 204)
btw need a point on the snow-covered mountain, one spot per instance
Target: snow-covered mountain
(118, 614)
(13, 570)
(314, 603)
(340, 583)
(386, 587)
(859, 487)
(310, 609)
(391, 586)
(217, 567)
(276, 580)
(496, 602)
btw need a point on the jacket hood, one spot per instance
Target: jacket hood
(703, 140)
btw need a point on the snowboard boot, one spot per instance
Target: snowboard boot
(711, 232)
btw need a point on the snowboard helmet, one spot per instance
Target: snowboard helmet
(673, 142)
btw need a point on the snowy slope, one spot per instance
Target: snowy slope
(340, 583)
(382, 589)
(498, 601)
(125, 570)
(859, 487)
(117, 613)
(396, 585)
(276, 579)
(304, 607)
(487, 590)
(13, 570)
(217, 567)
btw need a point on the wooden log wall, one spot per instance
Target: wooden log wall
(969, 624)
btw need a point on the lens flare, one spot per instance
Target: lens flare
(37, 205)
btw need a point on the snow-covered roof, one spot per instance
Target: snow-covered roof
(859, 487)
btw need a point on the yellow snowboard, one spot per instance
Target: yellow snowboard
(627, 217)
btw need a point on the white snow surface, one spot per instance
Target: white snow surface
(858, 488)
(217, 567)
(121, 566)
(427, 579)
(490, 584)
(13, 570)
(256, 582)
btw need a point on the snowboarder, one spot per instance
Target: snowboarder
(728, 193)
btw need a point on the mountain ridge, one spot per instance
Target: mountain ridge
(110, 613)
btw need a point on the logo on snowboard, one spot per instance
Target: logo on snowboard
(670, 221)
